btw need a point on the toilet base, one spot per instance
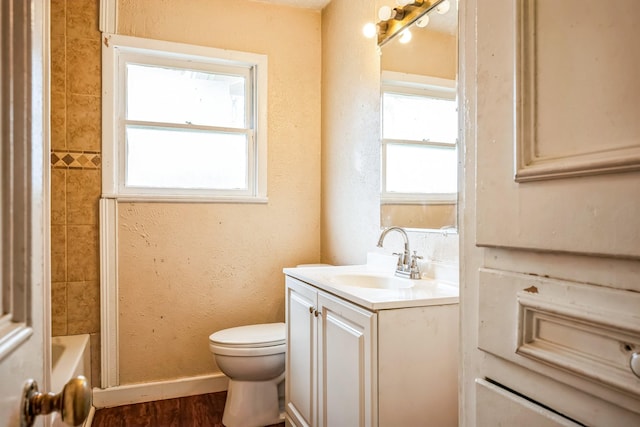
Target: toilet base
(252, 403)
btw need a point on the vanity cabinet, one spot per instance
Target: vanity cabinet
(329, 359)
(348, 365)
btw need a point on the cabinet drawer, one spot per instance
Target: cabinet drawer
(580, 334)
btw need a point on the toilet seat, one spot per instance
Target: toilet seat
(250, 340)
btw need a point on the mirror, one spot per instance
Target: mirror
(419, 125)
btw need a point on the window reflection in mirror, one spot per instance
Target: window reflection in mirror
(419, 127)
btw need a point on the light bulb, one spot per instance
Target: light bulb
(423, 21)
(405, 36)
(369, 30)
(385, 13)
(443, 7)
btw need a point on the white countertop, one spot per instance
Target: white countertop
(424, 292)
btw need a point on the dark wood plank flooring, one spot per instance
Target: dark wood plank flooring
(204, 410)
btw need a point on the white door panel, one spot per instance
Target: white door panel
(497, 406)
(563, 102)
(551, 226)
(24, 203)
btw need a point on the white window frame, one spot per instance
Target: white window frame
(117, 51)
(434, 87)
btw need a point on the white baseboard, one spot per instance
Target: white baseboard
(160, 390)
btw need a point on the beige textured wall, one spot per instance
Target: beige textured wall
(75, 171)
(187, 270)
(350, 133)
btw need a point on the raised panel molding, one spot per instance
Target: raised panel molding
(576, 333)
(594, 345)
(531, 163)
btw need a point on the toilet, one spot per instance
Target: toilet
(253, 357)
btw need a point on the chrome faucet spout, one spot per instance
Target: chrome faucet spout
(405, 257)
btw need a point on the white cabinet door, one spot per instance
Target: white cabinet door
(300, 383)
(347, 366)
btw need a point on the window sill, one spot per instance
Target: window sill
(146, 198)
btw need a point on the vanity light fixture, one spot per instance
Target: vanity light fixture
(422, 22)
(405, 36)
(385, 13)
(443, 7)
(395, 22)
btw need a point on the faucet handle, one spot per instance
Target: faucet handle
(400, 258)
(415, 270)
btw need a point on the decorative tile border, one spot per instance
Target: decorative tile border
(75, 160)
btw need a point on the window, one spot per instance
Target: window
(183, 121)
(419, 137)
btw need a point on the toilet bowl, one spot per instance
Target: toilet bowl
(253, 357)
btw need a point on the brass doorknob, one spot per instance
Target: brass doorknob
(73, 402)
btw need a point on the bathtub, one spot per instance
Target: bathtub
(70, 357)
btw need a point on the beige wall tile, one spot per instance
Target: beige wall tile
(82, 19)
(58, 197)
(58, 253)
(83, 66)
(95, 359)
(83, 307)
(58, 120)
(82, 253)
(84, 122)
(58, 308)
(58, 17)
(83, 192)
(58, 64)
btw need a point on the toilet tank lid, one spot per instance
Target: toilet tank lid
(262, 335)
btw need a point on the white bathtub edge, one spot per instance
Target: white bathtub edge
(159, 390)
(75, 360)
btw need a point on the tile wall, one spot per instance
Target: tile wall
(75, 171)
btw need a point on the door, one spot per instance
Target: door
(551, 209)
(347, 364)
(24, 213)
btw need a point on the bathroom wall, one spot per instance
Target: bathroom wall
(187, 270)
(350, 133)
(75, 171)
(350, 140)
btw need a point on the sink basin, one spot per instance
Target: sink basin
(374, 281)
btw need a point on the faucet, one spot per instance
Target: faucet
(407, 263)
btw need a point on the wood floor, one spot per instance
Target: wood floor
(204, 410)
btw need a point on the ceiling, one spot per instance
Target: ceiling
(307, 4)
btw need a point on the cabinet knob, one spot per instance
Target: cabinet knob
(316, 313)
(634, 363)
(311, 309)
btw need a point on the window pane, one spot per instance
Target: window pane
(158, 158)
(184, 96)
(421, 169)
(419, 118)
